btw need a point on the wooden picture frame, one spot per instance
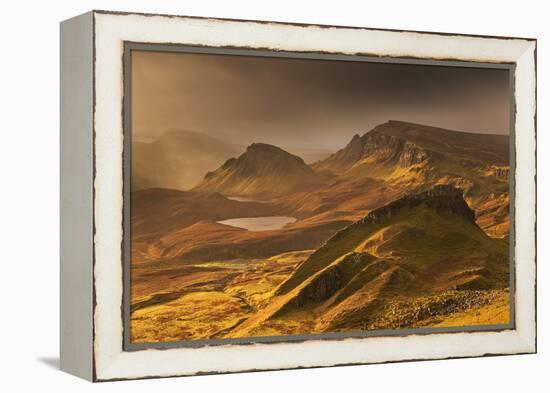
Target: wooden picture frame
(95, 194)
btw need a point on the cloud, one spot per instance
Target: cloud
(308, 103)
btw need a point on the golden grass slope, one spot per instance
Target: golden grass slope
(414, 263)
(417, 246)
(263, 171)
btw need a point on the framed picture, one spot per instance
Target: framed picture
(245, 195)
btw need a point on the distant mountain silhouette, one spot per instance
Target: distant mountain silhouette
(178, 159)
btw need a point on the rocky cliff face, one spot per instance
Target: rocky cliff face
(442, 198)
(329, 281)
(405, 144)
(388, 148)
(410, 157)
(343, 159)
(377, 146)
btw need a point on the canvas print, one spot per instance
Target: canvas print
(280, 197)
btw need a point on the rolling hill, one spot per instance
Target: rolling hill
(160, 217)
(263, 171)
(419, 248)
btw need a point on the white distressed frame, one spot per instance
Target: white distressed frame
(111, 30)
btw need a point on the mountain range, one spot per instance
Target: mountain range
(392, 159)
(404, 144)
(177, 160)
(405, 226)
(409, 156)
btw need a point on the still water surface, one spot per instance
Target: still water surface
(259, 223)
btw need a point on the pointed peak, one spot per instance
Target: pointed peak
(258, 146)
(355, 140)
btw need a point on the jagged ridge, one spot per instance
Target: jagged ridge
(405, 144)
(441, 199)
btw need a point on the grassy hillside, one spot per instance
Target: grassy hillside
(413, 157)
(413, 248)
(263, 171)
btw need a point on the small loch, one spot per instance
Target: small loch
(259, 223)
(245, 199)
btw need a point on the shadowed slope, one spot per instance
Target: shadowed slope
(419, 245)
(440, 199)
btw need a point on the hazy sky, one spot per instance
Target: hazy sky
(307, 103)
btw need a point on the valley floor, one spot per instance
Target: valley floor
(176, 301)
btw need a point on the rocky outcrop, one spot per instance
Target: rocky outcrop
(412, 154)
(442, 198)
(344, 158)
(330, 280)
(406, 313)
(501, 173)
(405, 144)
(378, 146)
(388, 148)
